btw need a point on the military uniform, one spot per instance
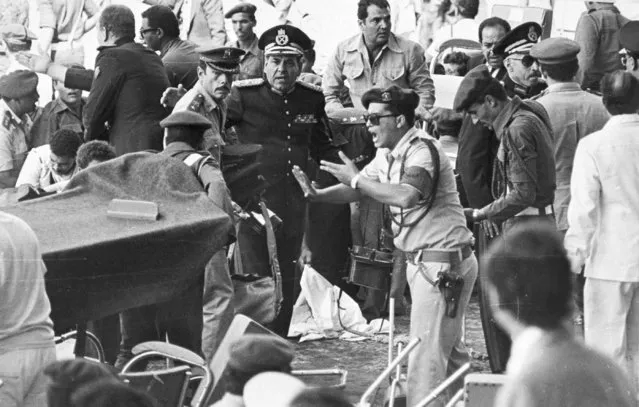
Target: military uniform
(180, 58)
(251, 63)
(289, 127)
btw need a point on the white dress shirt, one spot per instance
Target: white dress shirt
(603, 216)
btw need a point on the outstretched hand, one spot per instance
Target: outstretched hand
(343, 172)
(305, 183)
(171, 96)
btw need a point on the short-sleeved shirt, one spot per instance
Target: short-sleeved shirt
(37, 170)
(251, 63)
(13, 139)
(444, 227)
(56, 115)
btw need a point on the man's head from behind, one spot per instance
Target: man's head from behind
(64, 145)
(557, 58)
(374, 20)
(116, 23)
(159, 25)
(491, 31)
(620, 91)
(390, 114)
(465, 8)
(528, 278)
(93, 153)
(186, 127)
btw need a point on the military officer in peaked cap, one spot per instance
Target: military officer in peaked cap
(523, 71)
(215, 71)
(286, 116)
(19, 94)
(629, 39)
(243, 18)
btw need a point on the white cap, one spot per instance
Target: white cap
(273, 389)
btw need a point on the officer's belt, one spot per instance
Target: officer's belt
(531, 211)
(452, 256)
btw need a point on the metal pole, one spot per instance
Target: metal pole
(391, 332)
(456, 398)
(445, 384)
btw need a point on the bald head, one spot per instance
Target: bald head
(620, 91)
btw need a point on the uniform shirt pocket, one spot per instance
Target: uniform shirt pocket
(394, 74)
(353, 67)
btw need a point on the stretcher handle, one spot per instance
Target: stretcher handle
(456, 398)
(445, 384)
(363, 402)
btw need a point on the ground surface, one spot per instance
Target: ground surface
(365, 360)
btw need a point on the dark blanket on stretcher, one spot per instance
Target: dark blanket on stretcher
(98, 265)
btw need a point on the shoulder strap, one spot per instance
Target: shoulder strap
(196, 162)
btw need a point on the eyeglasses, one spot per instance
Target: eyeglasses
(374, 118)
(144, 31)
(526, 60)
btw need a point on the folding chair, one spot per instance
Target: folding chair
(167, 386)
(92, 342)
(199, 380)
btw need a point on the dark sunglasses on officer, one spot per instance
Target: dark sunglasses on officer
(526, 60)
(373, 118)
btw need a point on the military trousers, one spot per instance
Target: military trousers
(217, 309)
(441, 350)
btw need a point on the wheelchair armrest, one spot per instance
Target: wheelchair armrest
(170, 350)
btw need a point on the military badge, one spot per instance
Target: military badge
(281, 38)
(386, 97)
(305, 119)
(227, 53)
(532, 34)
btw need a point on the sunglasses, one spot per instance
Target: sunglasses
(526, 60)
(374, 118)
(144, 31)
(625, 57)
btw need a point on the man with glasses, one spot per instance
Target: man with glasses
(629, 39)
(414, 178)
(522, 69)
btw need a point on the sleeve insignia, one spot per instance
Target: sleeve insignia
(309, 86)
(196, 103)
(248, 83)
(305, 119)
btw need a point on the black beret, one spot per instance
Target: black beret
(284, 40)
(554, 51)
(629, 37)
(187, 119)
(472, 87)
(223, 59)
(401, 99)
(18, 84)
(519, 40)
(259, 353)
(247, 8)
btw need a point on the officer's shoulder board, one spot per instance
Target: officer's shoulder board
(248, 83)
(309, 86)
(196, 103)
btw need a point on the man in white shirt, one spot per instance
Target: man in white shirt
(51, 163)
(462, 26)
(603, 225)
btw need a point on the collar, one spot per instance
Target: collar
(177, 146)
(404, 143)
(622, 119)
(358, 44)
(58, 105)
(277, 92)
(119, 42)
(563, 87)
(168, 45)
(252, 49)
(209, 103)
(4, 106)
(504, 116)
(530, 341)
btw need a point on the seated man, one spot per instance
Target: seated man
(93, 153)
(529, 284)
(52, 163)
(26, 330)
(64, 112)
(456, 63)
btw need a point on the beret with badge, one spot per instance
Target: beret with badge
(284, 40)
(223, 59)
(629, 37)
(472, 87)
(260, 353)
(519, 40)
(394, 96)
(186, 118)
(16, 34)
(247, 8)
(553, 51)
(18, 84)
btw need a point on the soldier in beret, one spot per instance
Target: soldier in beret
(286, 116)
(243, 18)
(523, 181)
(629, 39)
(412, 175)
(19, 94)
(522, 69)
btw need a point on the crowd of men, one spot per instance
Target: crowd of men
(530, 170)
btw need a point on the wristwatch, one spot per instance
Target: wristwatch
(476, 215)
(354, 181)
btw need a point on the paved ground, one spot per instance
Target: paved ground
(365, 360)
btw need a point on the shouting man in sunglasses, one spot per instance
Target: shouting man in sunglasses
(413, 177)
(522, 69)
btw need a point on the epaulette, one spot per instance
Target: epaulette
(248, 83)
(196, 103)
(537, 96)
(309, 86)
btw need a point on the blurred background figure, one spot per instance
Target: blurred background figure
(456, 64)
(460, 24)
(93, 153)
(67, 376)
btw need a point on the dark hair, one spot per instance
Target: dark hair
(188, 135)
(468, 8)
(67, 376)
(65, 143)
(110, 393)
(458, 58)
(362, 7)
(562, 72)
(95, 150)
(531, 273)
(320, 397)
(119, 21)
(164, 18)
(620, 92)
(235, 380)
(493, 22)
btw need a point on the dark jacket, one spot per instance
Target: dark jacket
(128, 83)
(180, 60)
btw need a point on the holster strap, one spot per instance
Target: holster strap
(531, 211)
(452, 256)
